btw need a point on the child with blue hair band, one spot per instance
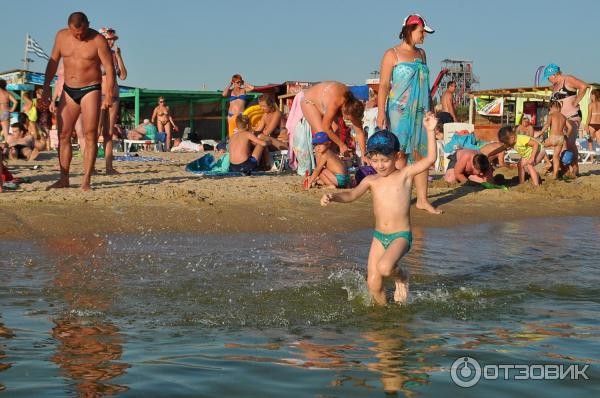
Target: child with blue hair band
(391, 191)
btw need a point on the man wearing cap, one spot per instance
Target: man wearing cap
(404, 95)
(569, 91)
(83, 51)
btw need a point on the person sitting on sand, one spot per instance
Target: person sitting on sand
(528, 148)
(241, 158)
(270, 124)
(469, 165)
(144, 131)
(559, 128)
(525, 127)
(270, 127)
(391, 191)
(21, 144)
(330, 171)
(39, 140)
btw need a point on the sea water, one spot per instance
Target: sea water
(271, 315)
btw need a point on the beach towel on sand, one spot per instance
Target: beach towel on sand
(463, 141)
(302, 148)
(133, 158)
(206, 165)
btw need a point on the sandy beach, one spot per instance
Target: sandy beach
(161, 196)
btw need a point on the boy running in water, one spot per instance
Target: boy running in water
(391, 190)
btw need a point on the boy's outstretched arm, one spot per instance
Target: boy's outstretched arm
(429, 122)
(347, 196)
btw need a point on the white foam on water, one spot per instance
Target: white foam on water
(355, 284)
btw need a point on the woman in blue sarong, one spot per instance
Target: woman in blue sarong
(404, 94)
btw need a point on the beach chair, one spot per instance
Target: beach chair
(511, 156)
(211, 143)
(146, 143)
(186, 134)
(585, 155)
(279, 160)
(449, 130)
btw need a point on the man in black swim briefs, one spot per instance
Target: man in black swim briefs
(83, 51)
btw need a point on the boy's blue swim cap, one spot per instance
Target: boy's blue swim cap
(567, 157)
(551, 70)
(383, 142)
(320, 138)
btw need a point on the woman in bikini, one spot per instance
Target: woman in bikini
(6, 98)
(404, 99)
(326, 105)
(569, 91)
(164, 121)
(236, 92)
(593, 116)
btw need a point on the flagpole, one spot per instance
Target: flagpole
(25, 59)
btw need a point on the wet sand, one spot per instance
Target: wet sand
(161, 196)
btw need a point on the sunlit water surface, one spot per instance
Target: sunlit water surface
(289, 315)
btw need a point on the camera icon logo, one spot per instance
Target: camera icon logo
(465, 372)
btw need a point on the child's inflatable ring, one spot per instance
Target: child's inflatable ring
(255, 114)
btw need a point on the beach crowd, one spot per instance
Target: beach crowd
(384, 145)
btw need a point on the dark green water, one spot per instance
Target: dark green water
(288, 315)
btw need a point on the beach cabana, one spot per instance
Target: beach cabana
(204, 112)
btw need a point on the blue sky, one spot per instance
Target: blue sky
(190, 44)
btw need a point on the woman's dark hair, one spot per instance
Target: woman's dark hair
(504, 133)
(242, 122)
(352, 105)
(596, 94)
(19, 125)
(481, 163)
(406, 33)
(23, 119)
(237, 77)
(269, 101)
(3, 84)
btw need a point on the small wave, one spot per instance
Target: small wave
(355, 285)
